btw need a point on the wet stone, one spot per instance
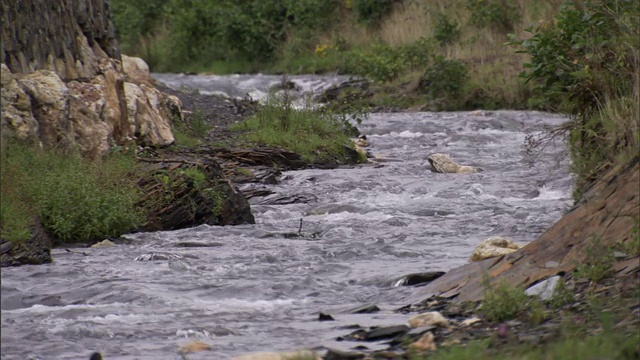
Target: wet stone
(325, 317)
(366, 309)
(333, 354)
(379, 333)
(419, 278)
(196, 244)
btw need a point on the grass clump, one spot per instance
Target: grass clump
(316, 134)
(191, 132)
(75, 199)
(502, 302)
(606, 345)
(598, 262)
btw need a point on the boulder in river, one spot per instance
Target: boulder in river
(493, 247)
(442, 163)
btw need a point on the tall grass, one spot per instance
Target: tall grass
(75, 199)
(315, 134)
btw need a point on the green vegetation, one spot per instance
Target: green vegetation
(502, 302)
(316, 134)
(573, 344)
(587, 64)
(190, 133)
(597, 265)
(76, 200)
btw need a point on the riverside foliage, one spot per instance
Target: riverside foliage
(76, 200)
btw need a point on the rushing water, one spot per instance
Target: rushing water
(253, 289)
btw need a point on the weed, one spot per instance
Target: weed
(445, 30)
(313, 133)
(502, 302)
(370, 12)
(562, 295)
(632, 245)
(498, 14)
(598, 261)
(75, 199)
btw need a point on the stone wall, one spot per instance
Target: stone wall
(65, 36)
(66, 85)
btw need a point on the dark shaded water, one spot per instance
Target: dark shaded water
(253, 289)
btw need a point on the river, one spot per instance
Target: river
(253, 289)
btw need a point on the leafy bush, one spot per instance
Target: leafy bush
(587, 65)
(446, 31)
(597, 265)
(503, 302)
(496, 14)
(75, 200)
(380, 63)
(201, 32)
(443, 82)
(370, 12)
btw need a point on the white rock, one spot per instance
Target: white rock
(103, 243)
(544, 289)
(442, 163)
(432, 318)
(470, 321)
(493, 247)
(425, 343)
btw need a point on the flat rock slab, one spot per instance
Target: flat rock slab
(610, 210)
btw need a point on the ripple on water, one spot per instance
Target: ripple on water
(260, 290)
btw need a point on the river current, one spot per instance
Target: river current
(252, 288)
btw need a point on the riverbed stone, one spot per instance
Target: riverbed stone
(103, 244)
(291, 355)
(442, 163)
(194, 346)
(419, 278)
(493, 247)
(431, 318)
(425, 343)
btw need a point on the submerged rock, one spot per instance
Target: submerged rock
(493, 247)
(442, 163)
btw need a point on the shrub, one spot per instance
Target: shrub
(598, 262)
(446, 31)
(206, 31)
(370, 12)
(587, 65)
(503, 302)
(496, 14)
(443, 82)
(380, 63)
